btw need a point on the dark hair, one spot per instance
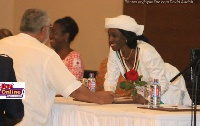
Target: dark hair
(68, 25)
(132, 38)
(5, 33)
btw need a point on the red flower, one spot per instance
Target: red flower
(132, 75)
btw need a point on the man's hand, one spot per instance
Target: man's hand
(99, 97)
(105, 97)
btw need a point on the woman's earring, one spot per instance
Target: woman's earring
(126, 40)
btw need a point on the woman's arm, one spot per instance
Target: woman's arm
(113, 72)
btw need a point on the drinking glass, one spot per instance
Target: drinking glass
(147, 94)
(84, 81)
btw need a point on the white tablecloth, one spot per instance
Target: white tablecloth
(66, 112)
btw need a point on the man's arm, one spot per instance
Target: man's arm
(100, 97)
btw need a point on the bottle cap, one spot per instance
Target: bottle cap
(155, 81)
(91, 75)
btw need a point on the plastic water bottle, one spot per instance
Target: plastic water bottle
(91, 82)
(155, 95)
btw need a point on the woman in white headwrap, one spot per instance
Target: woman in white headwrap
(129, 49)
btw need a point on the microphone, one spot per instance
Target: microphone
(183, 71)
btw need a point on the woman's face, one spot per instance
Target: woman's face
(57, 37)
(116, 39)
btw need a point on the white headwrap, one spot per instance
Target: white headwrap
(124, 22)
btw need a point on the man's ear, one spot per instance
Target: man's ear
(44, 29)
(43, 34)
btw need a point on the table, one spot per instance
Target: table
(67, 112)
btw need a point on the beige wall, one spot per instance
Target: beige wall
(91, 41)
(7, 14)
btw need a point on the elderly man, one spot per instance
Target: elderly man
(42, 70)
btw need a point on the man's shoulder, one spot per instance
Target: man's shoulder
(46, 51)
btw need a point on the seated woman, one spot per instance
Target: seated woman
(63, 33)
(170, 72)
(129, 49)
